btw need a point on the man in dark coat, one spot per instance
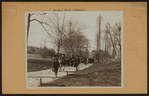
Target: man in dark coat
(56, 65)
(72, 60)
(63, 61)
(77, 62)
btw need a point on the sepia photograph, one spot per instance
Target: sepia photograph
(74, 49)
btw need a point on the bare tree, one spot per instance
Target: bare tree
(117, 36)
(107, 43)
(113, 39)
(74, 39)
(56, 30)
(98, 36)
(29, 20)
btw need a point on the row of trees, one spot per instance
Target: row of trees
(44, 52)
(64, 33)
(47, 52)
(108, 41)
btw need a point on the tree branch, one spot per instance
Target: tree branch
(41, 25)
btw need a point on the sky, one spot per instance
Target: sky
(37, 33)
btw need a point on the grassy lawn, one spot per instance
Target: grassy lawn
(37, 67)
(37, 63)
(96, 75)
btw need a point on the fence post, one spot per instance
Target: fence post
(67, 72)
(40, 81)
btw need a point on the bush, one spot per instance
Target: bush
(43, 52)
(50, 52)
(32, 49)
(47, 52)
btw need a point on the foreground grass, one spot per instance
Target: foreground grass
(95, 75)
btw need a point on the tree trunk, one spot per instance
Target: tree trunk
(98, 57)
(58, 49)
(120, 52)
(28, 25)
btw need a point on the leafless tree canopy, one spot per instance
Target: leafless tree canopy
(63, 34)
(74, 40)
(108, 40)
(68, 34)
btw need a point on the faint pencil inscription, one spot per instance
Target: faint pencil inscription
(138, 8)
(10, 10)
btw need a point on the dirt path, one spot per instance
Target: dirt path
(35, 82)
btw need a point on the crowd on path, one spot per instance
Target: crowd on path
(61, 61)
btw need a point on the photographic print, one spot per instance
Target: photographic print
(74, 49)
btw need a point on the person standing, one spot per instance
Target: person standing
(73, 60)
(63, 61)
(53, 61)
(87, 60)
(56, 65)
(60, 62)
(69, 62)
(81, 60)
(77, 63)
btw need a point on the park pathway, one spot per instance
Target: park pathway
(35, 82)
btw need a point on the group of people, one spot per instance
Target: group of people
(62, 61)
